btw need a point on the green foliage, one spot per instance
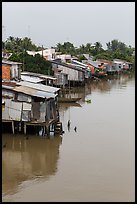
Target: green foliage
(15, 57)
(33, 64)
(103, 55)
(119, 50)
(81, 57)
(66, 48)
(18, 46)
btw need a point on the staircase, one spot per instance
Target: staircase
(58, 128)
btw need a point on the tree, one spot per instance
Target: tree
(66, 48)
(20, 44)
(81, 57)
(98, 46)
(58, 48)
(88, 47)
(115, 45)
(119, 50)
(82, 49)
(33, 63)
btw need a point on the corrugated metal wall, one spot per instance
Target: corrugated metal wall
(28, 110)
(12, 110)
(15, 71)
(6, 92)
(26, 113)
(23, 97)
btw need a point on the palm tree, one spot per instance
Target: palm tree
(82, 49)
(88, 47)
(59, 47)
(98, 46)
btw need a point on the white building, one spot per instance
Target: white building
(48, 54)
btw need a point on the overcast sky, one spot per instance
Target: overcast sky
(49, 23)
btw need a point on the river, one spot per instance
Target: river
(95, 163)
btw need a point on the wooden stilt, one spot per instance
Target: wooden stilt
(19, 126)
(52, 126)
(25, 128)
(47, 128)
(43, 130)
(13, 129)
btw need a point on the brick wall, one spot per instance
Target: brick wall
(6, 72)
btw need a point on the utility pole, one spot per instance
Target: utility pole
(23, 55)
(23, 61)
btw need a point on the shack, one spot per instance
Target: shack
(30, 106)
(11, 70)
(72, 74)
(39, 78)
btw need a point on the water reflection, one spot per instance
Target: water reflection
(102, 86)
(96, 161)
(112, 82)
(28, 159)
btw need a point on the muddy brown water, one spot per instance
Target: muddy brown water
(95, 163)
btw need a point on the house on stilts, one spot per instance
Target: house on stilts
(26, 104)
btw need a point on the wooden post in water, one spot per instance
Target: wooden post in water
(19, 126)
(13, 129)
(53, 128)
(47, 130)
(44, 130)
(25, 128)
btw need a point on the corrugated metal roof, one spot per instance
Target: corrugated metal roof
(41, 87)
(31, 79)
(39, 75)
(79, 63)
(104, 61)
(68, 65)
(118, 61)
(48, 77)
(30, 89)
(34, 92)
(7, 87)
(95, 64)
(9, 83)
(9, 62)
(86, 56)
